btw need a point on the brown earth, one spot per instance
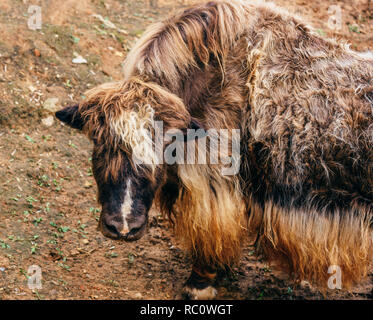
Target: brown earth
(48, 209)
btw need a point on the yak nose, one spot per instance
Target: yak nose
(111, 228)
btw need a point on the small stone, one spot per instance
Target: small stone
(32, 89)
(87, 185)
(85, 241)
(138, 295)
(48, 122)
(2, 269)
(51, 105)
(79, 60)
(119, 54)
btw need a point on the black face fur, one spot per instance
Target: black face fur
(125, 199)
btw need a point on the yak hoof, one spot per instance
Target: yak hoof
(207, 293)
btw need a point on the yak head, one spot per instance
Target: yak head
(119, 119)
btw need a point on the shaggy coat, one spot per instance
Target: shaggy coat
(304, 105)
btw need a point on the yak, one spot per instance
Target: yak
(303, 107)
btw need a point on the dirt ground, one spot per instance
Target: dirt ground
(48, 207)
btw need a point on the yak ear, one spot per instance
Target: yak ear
(71, 116)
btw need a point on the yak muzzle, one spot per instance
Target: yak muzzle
(114, 230)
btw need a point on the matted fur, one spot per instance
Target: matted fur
(210, 205)
(121, 115)
(304, 106)
(307, 243)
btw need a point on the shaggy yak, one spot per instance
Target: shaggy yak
(303, 106)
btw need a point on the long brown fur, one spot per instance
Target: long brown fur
(304, 106)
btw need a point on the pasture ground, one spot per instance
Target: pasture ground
(48, 209)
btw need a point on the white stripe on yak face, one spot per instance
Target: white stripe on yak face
(126, 207)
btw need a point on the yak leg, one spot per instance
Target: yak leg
(199, 286)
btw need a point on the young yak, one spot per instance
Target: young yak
(303, 106)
